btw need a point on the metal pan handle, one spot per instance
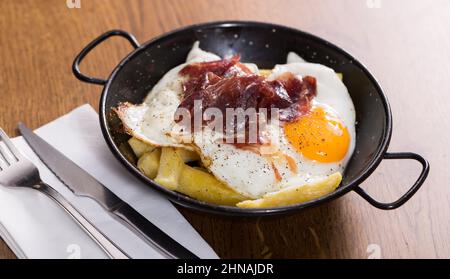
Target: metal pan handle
(76, 63)
(410, 192)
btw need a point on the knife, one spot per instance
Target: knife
(83, 184)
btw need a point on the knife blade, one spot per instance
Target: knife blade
(83, 184)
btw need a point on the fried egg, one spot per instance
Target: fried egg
(310, 149)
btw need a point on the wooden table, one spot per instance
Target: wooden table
(405, 44)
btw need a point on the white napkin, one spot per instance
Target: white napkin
(35, 227)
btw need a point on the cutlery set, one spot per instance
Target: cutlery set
(17, 171)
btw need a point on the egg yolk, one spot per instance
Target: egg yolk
(319, 136)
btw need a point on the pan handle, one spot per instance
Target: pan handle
(410, 192)
(76, 63)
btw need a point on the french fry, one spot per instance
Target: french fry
(265, 72)
(139, 147)
(188, 155)
(170, 167)
(203, 186)
(149, 163)
(295, 195)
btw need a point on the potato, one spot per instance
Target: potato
(188, 155)
(203, 186)
(295, 195)
(170, 167)
(265, 72)
(149, 163)
(203, 169)
(139, 147)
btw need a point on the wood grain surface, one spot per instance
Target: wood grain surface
(404, 43)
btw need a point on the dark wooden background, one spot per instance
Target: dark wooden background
(405, 44)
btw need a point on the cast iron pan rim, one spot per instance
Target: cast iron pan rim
(229, 210)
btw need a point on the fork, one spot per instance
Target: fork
(17, 171)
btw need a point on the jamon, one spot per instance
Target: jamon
(229, 84)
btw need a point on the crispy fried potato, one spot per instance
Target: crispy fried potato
(265, 72)
(295, 195)
(170, 167)
(139, 147)
(203, 186)
(203, 169)
(149, 163)
(188, 155)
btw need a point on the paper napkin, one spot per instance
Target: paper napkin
(34, 226)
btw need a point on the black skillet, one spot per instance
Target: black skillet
(266, 45)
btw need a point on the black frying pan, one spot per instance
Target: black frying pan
(266, 45)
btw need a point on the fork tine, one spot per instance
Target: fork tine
(4, 156)
(10, 146)
(3, 163)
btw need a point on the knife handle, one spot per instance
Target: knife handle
(106, 244)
